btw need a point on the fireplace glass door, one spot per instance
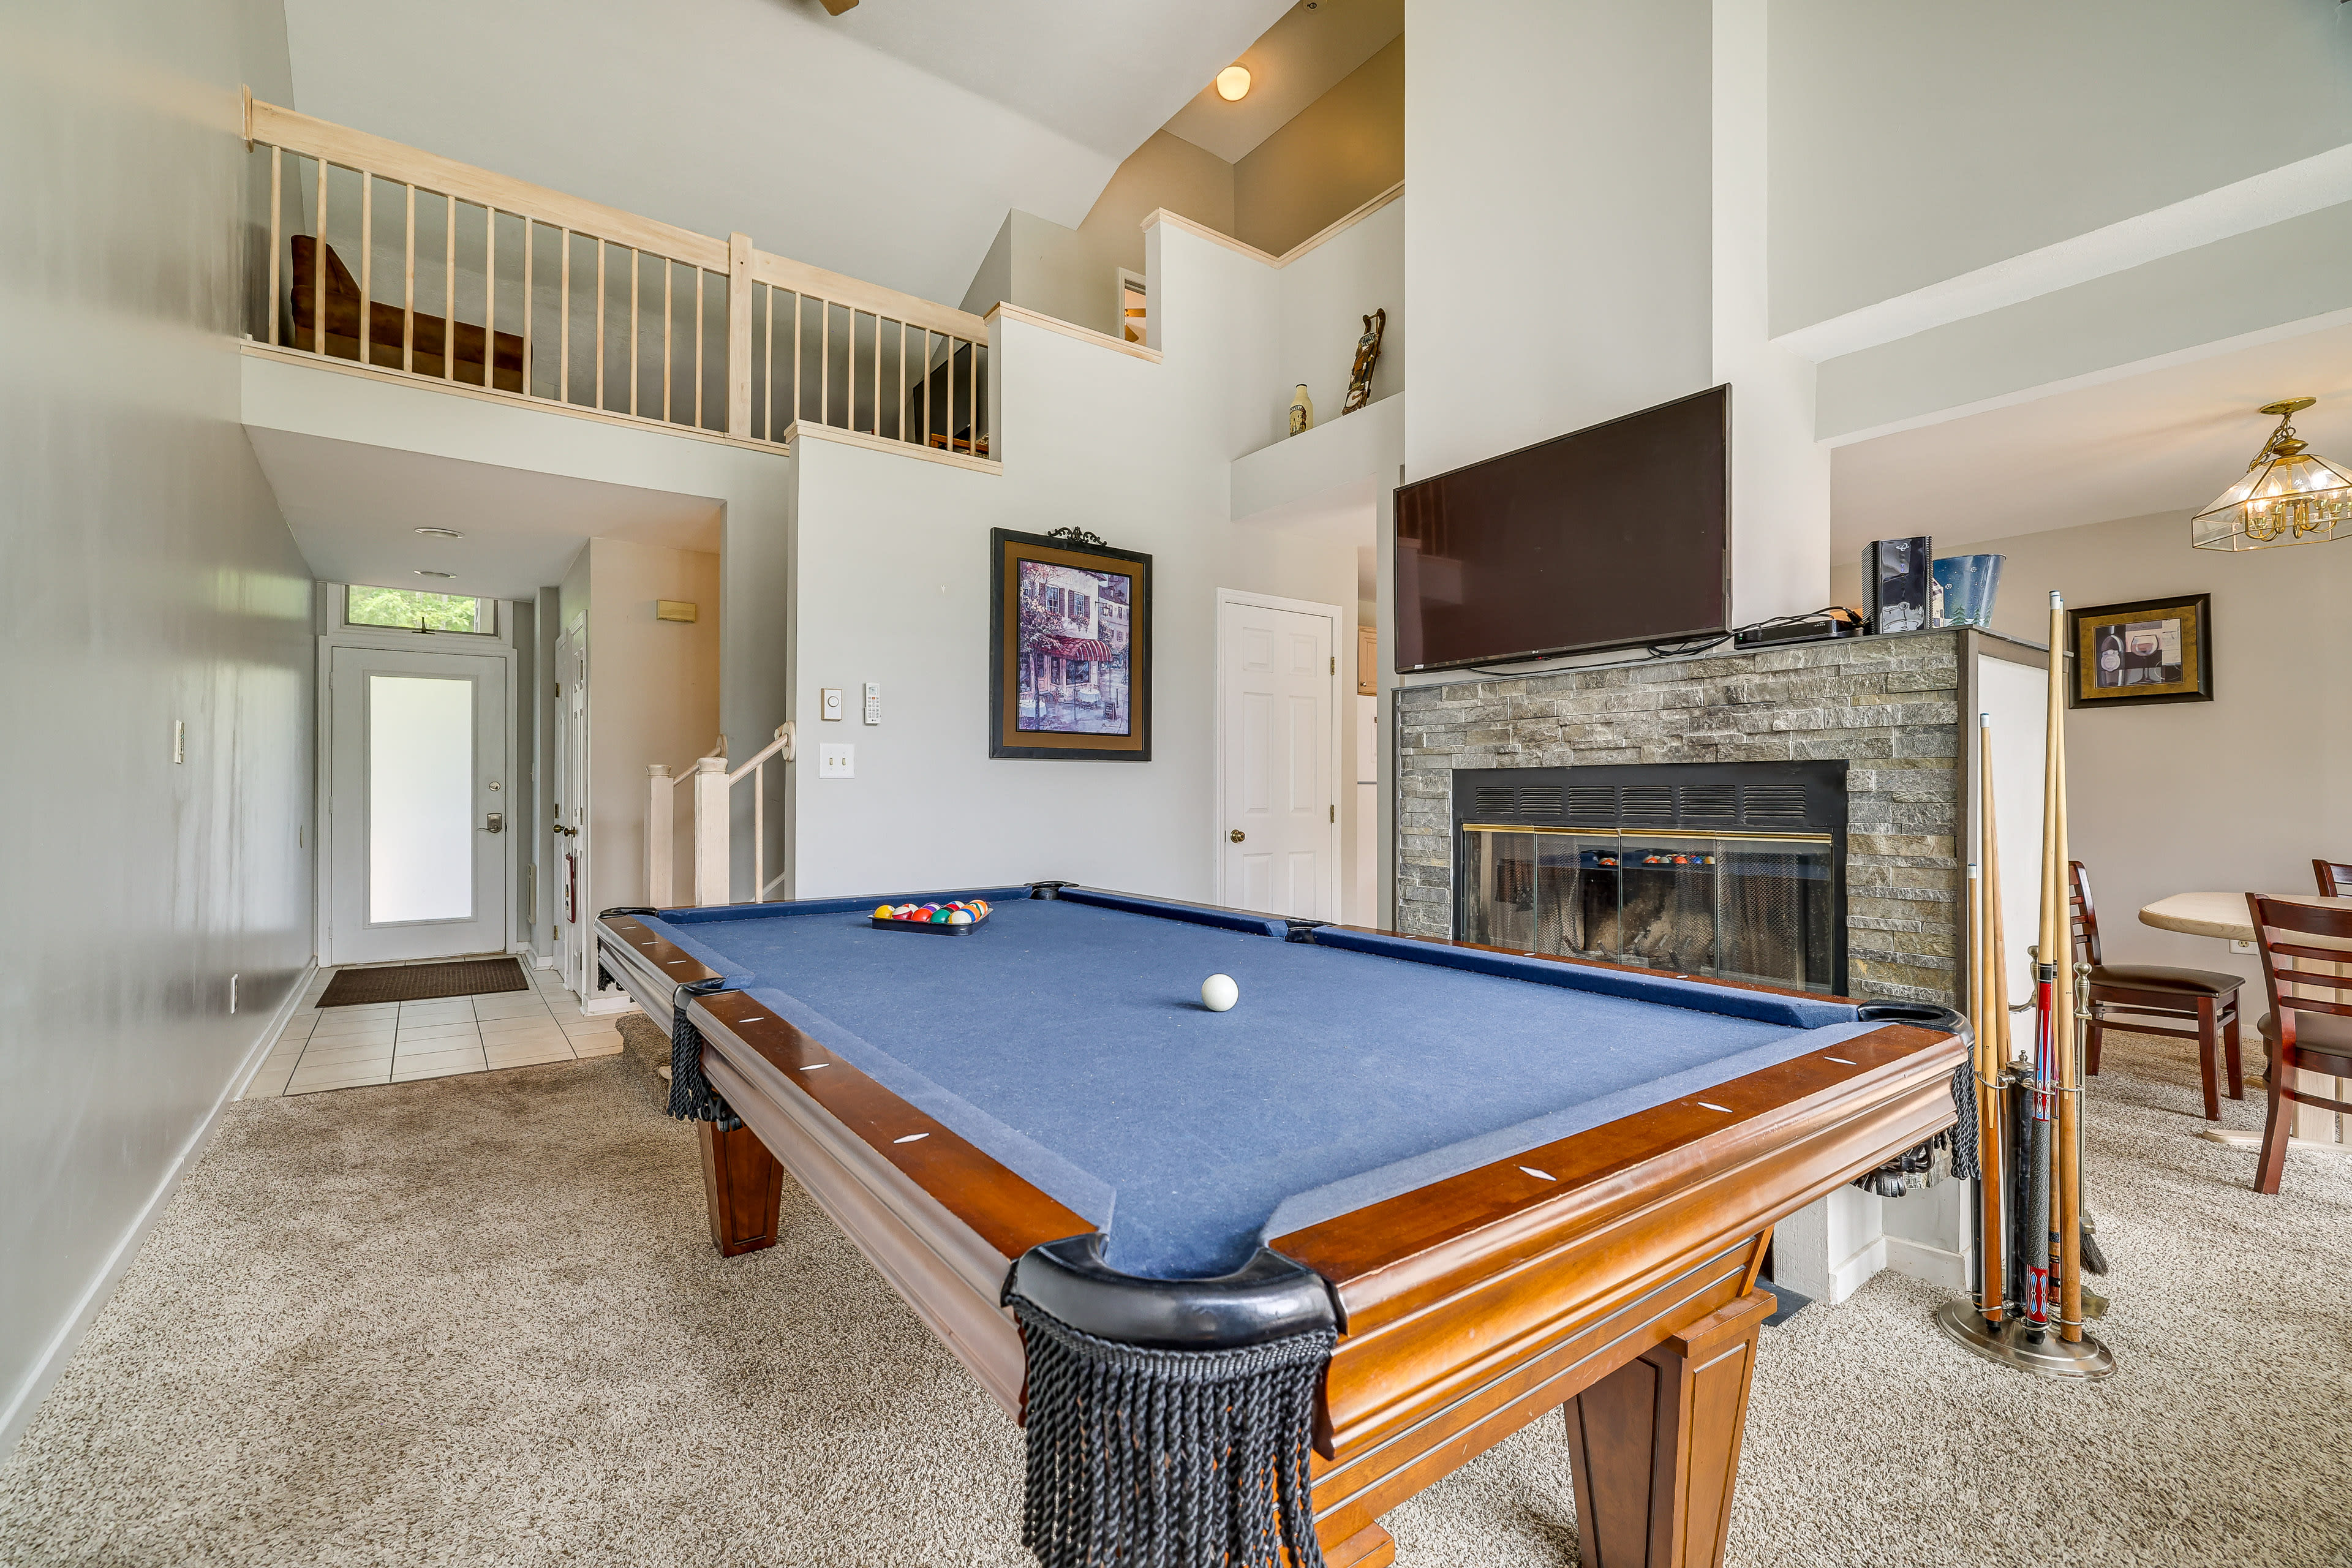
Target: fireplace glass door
(1754, 907)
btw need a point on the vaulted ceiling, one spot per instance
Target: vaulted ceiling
(886, 144)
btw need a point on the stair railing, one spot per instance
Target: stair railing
(713, 823)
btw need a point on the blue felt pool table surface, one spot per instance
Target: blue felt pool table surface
(1065, 1037)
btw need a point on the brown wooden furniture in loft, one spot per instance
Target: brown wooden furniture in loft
(2209, 997)
(387, 345)
(2308, 1029)
(2335, 878)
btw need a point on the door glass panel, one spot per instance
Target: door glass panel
(420, 799)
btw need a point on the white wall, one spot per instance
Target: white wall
(1557, 157)
(653, 697)
(1911, 143)
(2239, 793)
(1324, 296)
(151, 582)
(892, 585)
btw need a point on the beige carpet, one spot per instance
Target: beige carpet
(477, 1320)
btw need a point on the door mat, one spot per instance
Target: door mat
(417, 981)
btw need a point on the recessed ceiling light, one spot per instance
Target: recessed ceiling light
(440, 533)
(1233, 83)
(421, 572)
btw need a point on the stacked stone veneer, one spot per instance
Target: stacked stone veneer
(1888, 705)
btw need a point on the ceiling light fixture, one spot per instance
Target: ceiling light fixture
(422, 572)
(2288, 496)
(1233, 83)
(440, 533)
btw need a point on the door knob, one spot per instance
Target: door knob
(567, 832)
(1236, 835)
(496, 822)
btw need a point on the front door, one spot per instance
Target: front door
(418, 753)
(1276, 677)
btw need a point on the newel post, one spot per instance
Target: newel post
(739, 336)
(711, 867)
(661, 834)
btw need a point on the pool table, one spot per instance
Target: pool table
(1507, 1183)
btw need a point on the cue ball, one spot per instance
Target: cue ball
(1218, 993)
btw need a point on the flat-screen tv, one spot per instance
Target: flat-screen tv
(1609, 537)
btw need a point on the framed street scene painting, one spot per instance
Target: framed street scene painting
(1069, 658)
(2151, 650)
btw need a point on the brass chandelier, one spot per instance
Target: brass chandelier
(2288, 496)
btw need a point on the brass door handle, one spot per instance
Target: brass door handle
(1236, 835)
(567, 832)
(496, 822)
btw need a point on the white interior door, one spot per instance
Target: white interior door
(1277, 677)
(576, 921)
(418, 757)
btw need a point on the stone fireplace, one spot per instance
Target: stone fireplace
(1881, 715)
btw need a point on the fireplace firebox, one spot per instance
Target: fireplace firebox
(1734, 869)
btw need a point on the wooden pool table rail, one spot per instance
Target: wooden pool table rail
(1621, 1288)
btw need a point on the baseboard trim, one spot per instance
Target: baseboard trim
(51, 1362)
(1933, 1264)
(604, 1006)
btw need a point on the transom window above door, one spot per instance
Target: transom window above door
(415, 610)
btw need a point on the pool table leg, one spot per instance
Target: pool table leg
(1654, 1445)
(1371, 1547)
(745, 1186)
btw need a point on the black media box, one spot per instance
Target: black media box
(1897, 576)
(1809, 628)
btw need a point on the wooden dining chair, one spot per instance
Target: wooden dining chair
(2335, 878)
(2309, 1030)
(2208, 997)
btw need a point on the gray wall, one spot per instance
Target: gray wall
(1912, 143)
(150, 580)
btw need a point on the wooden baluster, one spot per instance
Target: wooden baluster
(529, 305)
(276, 230)
(738, 336)
(699, 330)
(450, 291)
(800, 368)
(971, 399)
(319, 272)
(825, 367)
(367, 255)
(489, 299)
(600, 325)
(669, 268)
(768, 368)
(563, 326)
(637, 308)
(898, 415)
(408, 285)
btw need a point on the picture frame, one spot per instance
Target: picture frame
(2147, 651)
(1069, 649)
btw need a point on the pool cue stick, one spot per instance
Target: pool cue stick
(2040, 1216)
(2068, 1196)
(1992, 1053)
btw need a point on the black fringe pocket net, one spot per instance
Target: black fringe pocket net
(691, 1098)
(1155, 1458)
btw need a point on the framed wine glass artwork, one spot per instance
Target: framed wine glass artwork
(2150, 650)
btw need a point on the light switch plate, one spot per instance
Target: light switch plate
(836, 762)
(832, 695)
(874, 702)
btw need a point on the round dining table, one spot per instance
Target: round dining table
(2226, 916)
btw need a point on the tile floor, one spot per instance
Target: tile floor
(393, 1042)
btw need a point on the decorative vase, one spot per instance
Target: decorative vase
(1969, 584)
(1302, 411)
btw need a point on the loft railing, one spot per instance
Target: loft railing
(714, 788)
(410, 263)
